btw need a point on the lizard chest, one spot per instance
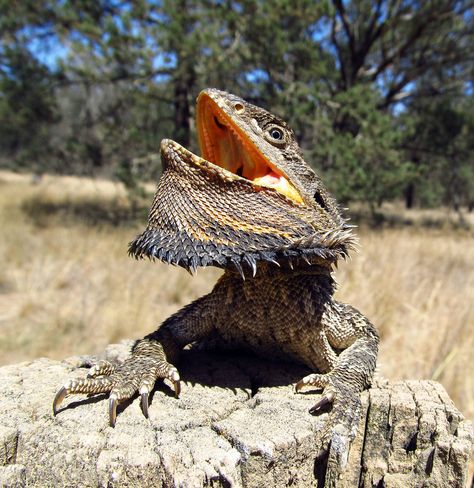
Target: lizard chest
(274, 317)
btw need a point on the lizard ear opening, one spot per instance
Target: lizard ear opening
(319, 200)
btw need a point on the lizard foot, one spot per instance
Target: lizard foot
(137, 374)
(341, 426)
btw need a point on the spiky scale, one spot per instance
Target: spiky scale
(238, 267)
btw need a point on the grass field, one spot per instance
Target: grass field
(68, 287)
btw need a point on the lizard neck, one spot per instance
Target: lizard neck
(314, 273)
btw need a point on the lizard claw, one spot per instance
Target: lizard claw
(319, 381)
(112, 409)
(58, 399)
(177, 388)
(144, 402)
(323, 402)
(340, 428)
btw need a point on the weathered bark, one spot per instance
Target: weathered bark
(237, 423)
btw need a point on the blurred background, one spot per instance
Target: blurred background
(379, 93)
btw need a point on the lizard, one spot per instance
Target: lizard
(252, 206)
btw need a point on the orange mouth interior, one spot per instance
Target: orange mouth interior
(224, 144)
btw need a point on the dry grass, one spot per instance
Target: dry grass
(68, 287)
(417, 286)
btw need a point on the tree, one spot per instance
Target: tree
(361, 162)
(393, 44)
(358, 80)
(28, 107)
(442, 143)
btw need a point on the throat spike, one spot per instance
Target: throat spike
(239, 269)
(250, 260)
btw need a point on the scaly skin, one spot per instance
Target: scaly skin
(256, 209)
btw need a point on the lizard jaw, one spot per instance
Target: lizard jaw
(225, 145)
(172, 152)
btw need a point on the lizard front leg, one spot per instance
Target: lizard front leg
(348, 332)
(152, 357)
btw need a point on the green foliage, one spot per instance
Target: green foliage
(443, 146)
(357, 147)
(27, 108)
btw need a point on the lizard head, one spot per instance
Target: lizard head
(250, 197)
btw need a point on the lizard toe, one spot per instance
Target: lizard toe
(316, 380)
(91, 386)
(134, 375)
(102, 368)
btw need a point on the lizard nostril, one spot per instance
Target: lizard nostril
(239, 108)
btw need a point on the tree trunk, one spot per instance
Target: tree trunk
(182, 111)
(184, 77)
(409, 195)
(238, 423)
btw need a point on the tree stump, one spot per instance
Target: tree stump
(238, 423)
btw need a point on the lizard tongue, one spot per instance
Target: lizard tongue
(270, 179)
(280, 183)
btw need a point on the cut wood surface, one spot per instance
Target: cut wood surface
(238, 423)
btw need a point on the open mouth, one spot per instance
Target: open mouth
(225, 145)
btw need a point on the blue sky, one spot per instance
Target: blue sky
(47, 49)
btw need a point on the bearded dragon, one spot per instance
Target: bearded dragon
(252, 206)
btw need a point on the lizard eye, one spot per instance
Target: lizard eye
(275, 135)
